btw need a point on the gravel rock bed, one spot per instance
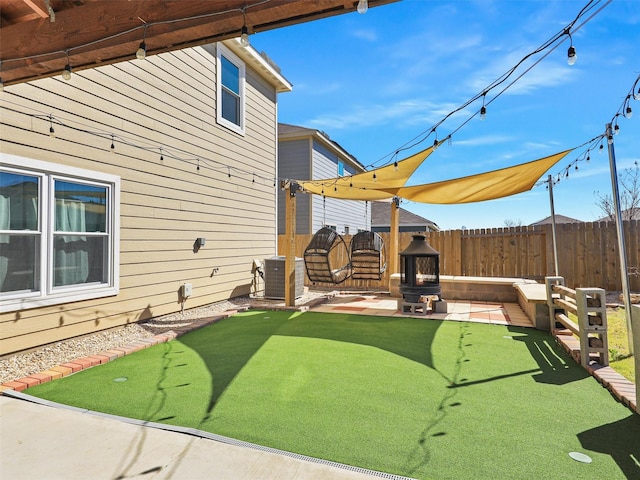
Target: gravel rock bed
(37, 360)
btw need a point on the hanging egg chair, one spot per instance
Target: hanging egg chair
(326, 258)
(368, 256)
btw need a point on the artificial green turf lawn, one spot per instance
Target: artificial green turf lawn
(414, 397)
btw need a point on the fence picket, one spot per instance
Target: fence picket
(587, 254)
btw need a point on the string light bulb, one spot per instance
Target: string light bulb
(375, 177)
(52, 132)
(483, 109)
(141, 53)
(363, 6)
(1, 85)
(628, 112)
(66, 73)
(244, 32)
(616, 129)
(572, 56)
(395, 165)
(113, 145)
(610, 139)
(636, 95)
(435, 145)
(161, 155)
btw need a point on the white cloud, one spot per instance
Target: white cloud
(406, 112)
(484, 140)
(544, 74)
(364, 34)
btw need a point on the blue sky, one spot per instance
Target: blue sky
(375, 82)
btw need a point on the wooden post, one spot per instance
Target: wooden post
(394, 234)
(290, 255)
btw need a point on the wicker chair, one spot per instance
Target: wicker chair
(368, 256)
(326, 258)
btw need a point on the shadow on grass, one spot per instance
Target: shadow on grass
(552, 360)
(421, 455)
(227, 351)
(619, 439)
(234, 343)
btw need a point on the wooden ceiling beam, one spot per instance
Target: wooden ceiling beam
(94, 33)
(36, 8)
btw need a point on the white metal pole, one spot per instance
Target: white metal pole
(620, 231)
(553, 228)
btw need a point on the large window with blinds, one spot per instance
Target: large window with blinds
(58, 234)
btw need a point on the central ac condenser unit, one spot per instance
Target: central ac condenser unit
(274, 276)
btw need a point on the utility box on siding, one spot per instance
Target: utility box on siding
(274, 276)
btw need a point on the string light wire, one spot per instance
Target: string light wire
(552, 44)
(179, 155)
(596, 142)
(132, 30)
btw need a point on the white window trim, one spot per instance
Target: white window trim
(43, 298)
(221, 50)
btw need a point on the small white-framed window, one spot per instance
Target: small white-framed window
(230, 104)
(59, 234)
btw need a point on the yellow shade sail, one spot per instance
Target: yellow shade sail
(377, 184)
(485, 186)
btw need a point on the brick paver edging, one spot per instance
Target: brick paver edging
(109, 355)
(619, 386)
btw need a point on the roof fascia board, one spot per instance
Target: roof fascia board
(251, 57)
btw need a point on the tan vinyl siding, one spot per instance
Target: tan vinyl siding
(166, 101)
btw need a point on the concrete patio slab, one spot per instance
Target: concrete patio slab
(40, 441)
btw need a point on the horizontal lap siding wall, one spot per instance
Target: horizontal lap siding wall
(294, 162)
(587, 254)
(168, 100)
(332, 211)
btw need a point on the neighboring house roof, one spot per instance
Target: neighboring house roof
(628, 214)
(380, 217)
(559, 219)
(293, 132)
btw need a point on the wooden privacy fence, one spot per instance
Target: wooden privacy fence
(587, 254)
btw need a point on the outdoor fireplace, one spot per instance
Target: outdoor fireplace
(419, 270)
